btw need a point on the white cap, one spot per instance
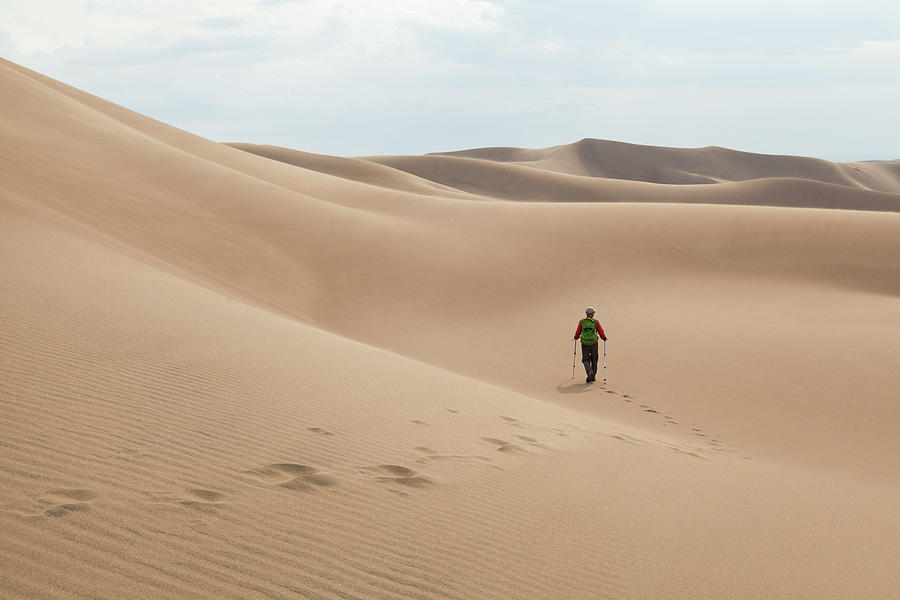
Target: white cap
(589, 310)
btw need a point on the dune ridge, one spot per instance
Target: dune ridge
(515, 182)
(656, 164)
(548, 175)
(349, 168)
(290, 375)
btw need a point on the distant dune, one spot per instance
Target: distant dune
(599, 171)
(617, 160)
(246, 371)
(511, 181)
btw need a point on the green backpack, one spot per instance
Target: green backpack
(589, 335)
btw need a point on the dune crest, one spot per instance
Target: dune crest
(512, 181)
(656, 164)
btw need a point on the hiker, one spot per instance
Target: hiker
(591, 333)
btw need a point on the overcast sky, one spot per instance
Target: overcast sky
(358, 77)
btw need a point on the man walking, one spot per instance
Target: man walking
(591, 333)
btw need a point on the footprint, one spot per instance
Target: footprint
(397, 470)
(306, 482)
(401, 475)
(297, 484)
(303, 476)
(62, 510)
(504, 446)
(68, 501)
(531, 441)
(321, 479)
(203, 500)
(293, 468)
(206, 495)
(494, 441)
(628, 439)
(688, 452)
(319, 430)
(294, 476)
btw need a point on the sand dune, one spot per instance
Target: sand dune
(618, 160)
(515, 182)
(225, 375)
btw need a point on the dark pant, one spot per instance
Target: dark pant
(589, 356)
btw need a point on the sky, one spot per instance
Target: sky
(367, 77)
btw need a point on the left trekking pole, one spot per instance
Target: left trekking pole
(574, 354)
(604, 362)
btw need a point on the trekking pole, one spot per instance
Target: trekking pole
(604, 362)
(574, 354)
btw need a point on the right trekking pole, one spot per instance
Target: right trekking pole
(574, 355)
(604, 362)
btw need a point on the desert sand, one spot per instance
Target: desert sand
(242, 371)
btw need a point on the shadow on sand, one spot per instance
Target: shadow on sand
(573, 386)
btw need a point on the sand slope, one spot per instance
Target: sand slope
(314, 377)
(354, 169)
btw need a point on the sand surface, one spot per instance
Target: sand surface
(241, 371)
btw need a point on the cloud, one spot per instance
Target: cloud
(45, 26)
(881, 48)
(219, 23)
(369, 76)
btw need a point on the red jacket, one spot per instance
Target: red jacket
(599, 330)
